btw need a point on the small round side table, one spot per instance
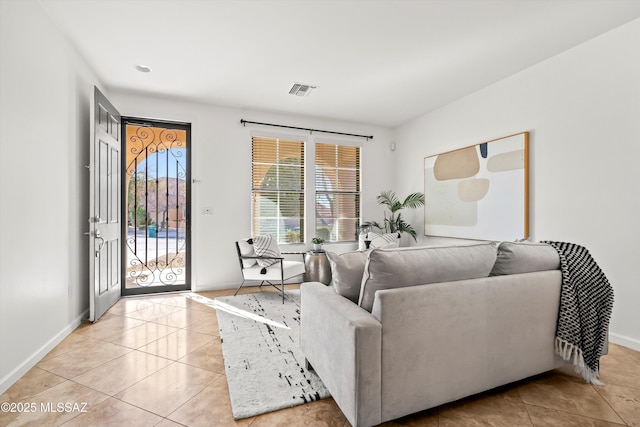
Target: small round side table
(317, 267)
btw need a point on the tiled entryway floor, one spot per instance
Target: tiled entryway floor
(157, 361)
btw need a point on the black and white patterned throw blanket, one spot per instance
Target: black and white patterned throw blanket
(586, 301)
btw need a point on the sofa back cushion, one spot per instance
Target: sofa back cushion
(397, 268)
(525, 257)
(346, 273)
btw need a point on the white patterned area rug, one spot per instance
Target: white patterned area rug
(262, 357)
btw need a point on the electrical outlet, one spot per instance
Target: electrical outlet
(207, 211)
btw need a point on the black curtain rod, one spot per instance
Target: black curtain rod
(243, 122)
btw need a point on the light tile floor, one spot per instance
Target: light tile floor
(157, 361)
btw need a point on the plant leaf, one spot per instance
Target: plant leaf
(414, 200)
(405, 227)
(388, 198)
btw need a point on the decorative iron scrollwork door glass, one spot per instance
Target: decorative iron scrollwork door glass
(157, 206)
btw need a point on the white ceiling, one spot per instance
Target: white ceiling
(380, 62)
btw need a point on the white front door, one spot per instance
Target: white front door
(104, 207)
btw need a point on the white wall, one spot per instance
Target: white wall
(582, 108)
(221, 167)
(44, 132)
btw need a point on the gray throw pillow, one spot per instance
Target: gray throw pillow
(525, 257)
(346, 273)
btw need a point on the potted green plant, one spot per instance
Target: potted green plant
(317, 243)
(394, 222)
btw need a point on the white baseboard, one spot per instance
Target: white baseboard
(12, 377)
(624, 341)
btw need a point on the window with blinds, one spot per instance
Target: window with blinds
(278, 188)
(337, 192)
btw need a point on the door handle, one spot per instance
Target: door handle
(100, 245)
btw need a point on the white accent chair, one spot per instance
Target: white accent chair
(279, 271)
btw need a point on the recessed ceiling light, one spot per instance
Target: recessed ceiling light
(143, 68)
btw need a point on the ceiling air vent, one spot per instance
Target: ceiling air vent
(301, 89)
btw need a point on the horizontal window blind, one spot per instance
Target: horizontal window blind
(337, 192)
(278, 188)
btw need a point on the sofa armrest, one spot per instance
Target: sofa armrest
(342, 342)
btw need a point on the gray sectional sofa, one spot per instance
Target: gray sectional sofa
(403, 330)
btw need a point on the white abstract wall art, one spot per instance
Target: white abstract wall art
(479, 192)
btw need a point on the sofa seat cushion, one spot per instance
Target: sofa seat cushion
(525, 257)
(397, 268)
(346, 273)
